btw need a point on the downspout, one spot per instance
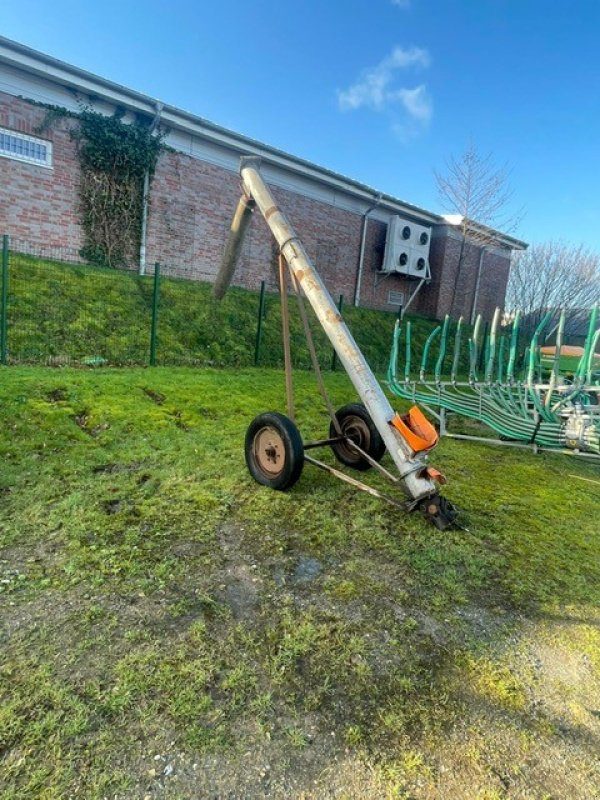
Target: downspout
(477, 282)
(363, 241)
(146, 198)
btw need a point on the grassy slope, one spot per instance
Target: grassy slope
(170, 629)
(71, 313)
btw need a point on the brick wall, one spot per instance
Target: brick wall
(191, 206)
(454, 288)
(39, 205)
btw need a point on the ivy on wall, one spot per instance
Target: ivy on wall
(115, 157)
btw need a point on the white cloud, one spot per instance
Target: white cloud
(377, 90)
(373, 87)
(417, 103)
(401, 3)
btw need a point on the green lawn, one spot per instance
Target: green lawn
(169, 629)
(63, 314)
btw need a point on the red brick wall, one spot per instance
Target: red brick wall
(454, 288)
(191, 206)
(39, 206)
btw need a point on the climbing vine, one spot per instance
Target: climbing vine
(114, 156)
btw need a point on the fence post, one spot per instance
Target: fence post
(4, 302)
(154, 328)
(334, 357)
(261, 313)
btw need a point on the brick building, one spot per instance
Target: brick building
(354, 233)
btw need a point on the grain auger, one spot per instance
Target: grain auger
(359, 433)
(540, 396)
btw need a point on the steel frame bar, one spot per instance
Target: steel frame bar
(353, 482)
(285, 323)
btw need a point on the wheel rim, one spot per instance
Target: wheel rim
(269, 451)
(357, 430)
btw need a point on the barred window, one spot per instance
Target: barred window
(26, 148)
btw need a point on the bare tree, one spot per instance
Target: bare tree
(553, 275)
(478, 192)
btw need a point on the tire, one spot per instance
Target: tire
(274, 451)
(356, 423)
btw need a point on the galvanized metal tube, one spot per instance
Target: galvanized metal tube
(411, 469)
(233, 248)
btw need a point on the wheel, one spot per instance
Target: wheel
(274, 450)
(356, 423)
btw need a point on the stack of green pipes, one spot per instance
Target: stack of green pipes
(515, 403)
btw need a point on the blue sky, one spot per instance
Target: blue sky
(382, 91)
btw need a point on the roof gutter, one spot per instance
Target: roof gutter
(27, 59)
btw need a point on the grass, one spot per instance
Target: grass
(68, 314)
(159, 638)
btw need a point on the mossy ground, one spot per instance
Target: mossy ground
(169, 629)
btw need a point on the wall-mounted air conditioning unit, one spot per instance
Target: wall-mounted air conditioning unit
(407, 249)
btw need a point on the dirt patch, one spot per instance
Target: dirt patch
(156, 397)
(58, 395)
(82, 420)
(115, 469)
(176, 415)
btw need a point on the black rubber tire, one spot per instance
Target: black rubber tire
(283, 439)
(356, 422)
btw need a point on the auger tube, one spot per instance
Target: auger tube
(413, 478)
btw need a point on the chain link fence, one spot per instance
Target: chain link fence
(55, 310)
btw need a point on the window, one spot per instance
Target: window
(25, 148)
(395, 298)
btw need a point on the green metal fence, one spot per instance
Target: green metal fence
(58, 313)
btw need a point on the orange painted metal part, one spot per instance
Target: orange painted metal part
(416, 430)
(435, 475)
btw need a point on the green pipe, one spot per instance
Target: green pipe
(489, 366)
(556, 360)
(430, 339)
(440, 361)
(392, 373)
(592, 353)
(547, 433)
(534, 348)
(514, 343)
(473, 347)
(500, 370)
(407, 356)
(456, 356)
(559, 341)
(587, 351)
